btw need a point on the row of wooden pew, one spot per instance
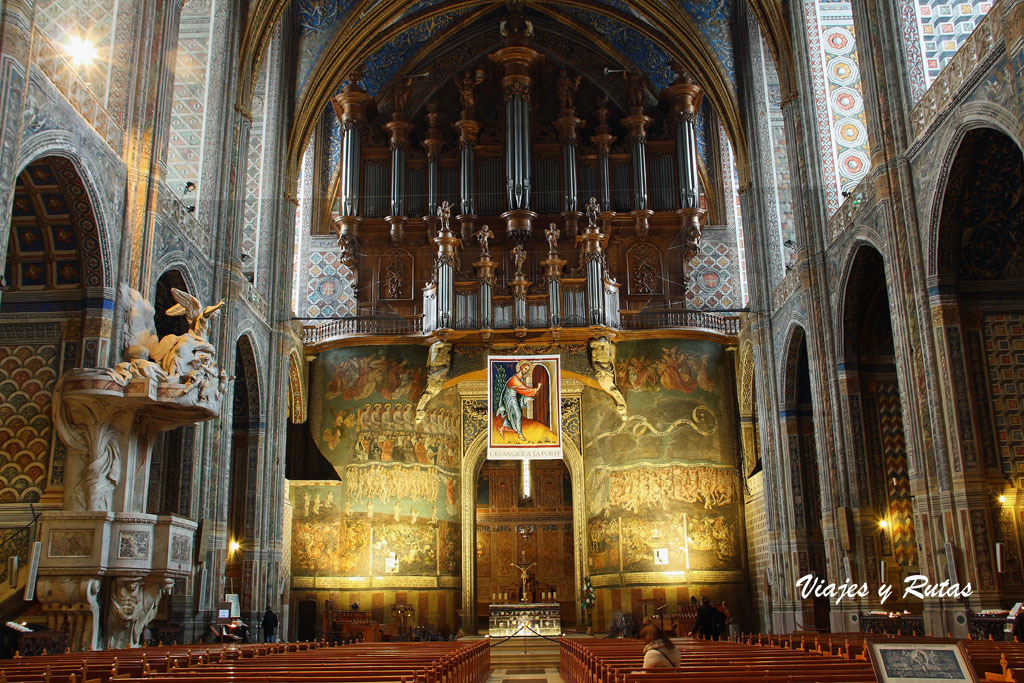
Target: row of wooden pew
(809, 658)
(992, 660)
(428, 662)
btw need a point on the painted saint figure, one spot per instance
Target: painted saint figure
(513, 399)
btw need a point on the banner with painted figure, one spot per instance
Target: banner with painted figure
(524, 407)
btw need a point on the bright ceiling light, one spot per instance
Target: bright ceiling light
(81, 51)
(233, 547)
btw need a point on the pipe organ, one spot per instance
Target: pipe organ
(574, 205)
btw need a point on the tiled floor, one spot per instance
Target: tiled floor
(525, 675)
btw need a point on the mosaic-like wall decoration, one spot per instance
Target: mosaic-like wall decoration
(63, 20)
(944, 28)
(27, 377)
(1004, 345)
(715, 272)
(330, 285)
(188, 107)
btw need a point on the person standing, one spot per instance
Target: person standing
(708, 621)
(269, 625)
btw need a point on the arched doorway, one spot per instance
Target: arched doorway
(978, 310)
(805, 498)
(880, 489)
(170, 474)
(53, 317)
(526, 519)
(473, 461)
(242, 573)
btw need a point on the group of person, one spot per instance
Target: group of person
(660, 651)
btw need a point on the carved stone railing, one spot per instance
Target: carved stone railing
(365, 325)
(315, 334)
(942, 93)
(174, 210)
(715, 322)
(860, 200)
(51, 61)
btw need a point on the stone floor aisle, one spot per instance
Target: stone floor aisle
(525, 675)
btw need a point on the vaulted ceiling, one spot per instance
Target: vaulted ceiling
(395, 38)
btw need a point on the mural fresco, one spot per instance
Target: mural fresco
(663, 491)
(363, 419)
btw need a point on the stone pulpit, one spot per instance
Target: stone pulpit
(108, 419)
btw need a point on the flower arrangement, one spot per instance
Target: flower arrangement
(589, 598)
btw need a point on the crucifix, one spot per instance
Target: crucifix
(523, 571)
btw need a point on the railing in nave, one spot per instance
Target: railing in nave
(315, 333)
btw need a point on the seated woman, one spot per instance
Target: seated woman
(659, 650)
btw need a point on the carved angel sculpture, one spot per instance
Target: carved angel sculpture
(593, 209)
(552, 234)
(483, 236)
(195, 313)
(602, 360)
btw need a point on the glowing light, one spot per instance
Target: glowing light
(81, 51)
(884, 523)
(1002, 499)
(234, 547)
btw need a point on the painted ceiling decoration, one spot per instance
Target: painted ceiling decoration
(54, 234)
(337, 37)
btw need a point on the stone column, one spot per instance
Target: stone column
(350, 106)
(516, 61)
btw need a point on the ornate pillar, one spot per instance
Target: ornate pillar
(686, 97)
(398, 128)
(516, 60)
(603, 141)
(519, 284)
(553, 276)
(592, 260)
(468, 130)
(636, 123)
(485, 267)
(432, 144)
(568, 124)
(444, 268)
(350, 106)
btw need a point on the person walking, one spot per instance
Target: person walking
(269, 625)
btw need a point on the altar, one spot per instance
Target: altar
(525, 619)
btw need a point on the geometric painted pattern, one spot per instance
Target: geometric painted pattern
(733, 214)
(843, 91)
(897, 476)
(62, 20)
(331, 286)
(54, 240)
(254, 174)
(1004, 349)
(944, 28)
(838, 102)
(185, 146)
(712, 278)
(780, 157)
(27, 377)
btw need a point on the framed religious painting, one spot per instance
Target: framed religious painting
(524, 407)
(919, 660)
